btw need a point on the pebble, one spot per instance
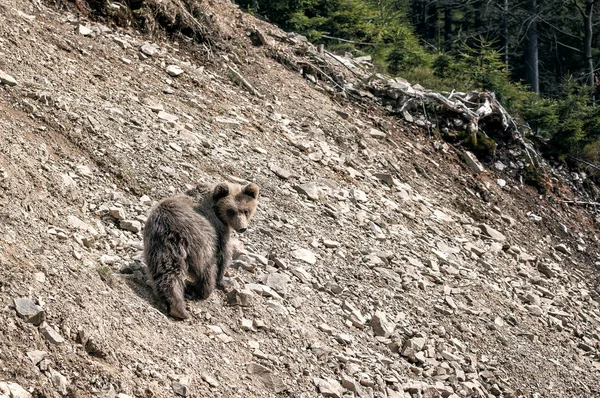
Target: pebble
(374, 133)
(7, 79)
(534, 310)
(50, 334)
(358, 195)
(309, 190)
(149, 49)
(211, 381)
(241, 297)
(13, 390)
(304, 255)
(331, 244)
(280, 172)
(247, 325)
(29, 311)
(59, 381)
(131, 225)
(492, 233)
(329, 387)
(473, 162)
(174, 70)
(278, 282)
(117, 213)
(84, 30)
(168, 117)
(180, 387)
(381, 326)
(266, 376)
(36, 356)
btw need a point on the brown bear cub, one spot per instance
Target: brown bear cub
(186, 240)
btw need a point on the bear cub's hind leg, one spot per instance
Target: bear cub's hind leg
(172, 287)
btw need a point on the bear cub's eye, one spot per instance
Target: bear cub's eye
(231, 212)
(246, 212)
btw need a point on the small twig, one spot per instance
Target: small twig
(321, 72)
(580, 203)
(585, 162)
(346, 66)
(348, 41)
(238, 78)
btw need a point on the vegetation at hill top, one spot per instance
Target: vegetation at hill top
(539, 57)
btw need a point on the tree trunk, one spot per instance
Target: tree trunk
(532, 74)
(447, 26)
(588, 29)
(432, 22)
(505, 33)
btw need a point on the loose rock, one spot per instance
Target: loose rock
(50, 334)
(381, 326)
(29, 311)
(7, 79)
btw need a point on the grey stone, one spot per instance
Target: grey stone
(84, 30)
(278, 282)
(174, 70)
(472, 162)
(374, 133)
(351, 385)
(534, 310)
(149, 49)
(381, 326)
(167, 117)
(562, 248)
(241, 297)
(29, 311)
(50, 334)
(358, 195)
(36, 356)
(329, 387)
(331, 244)
(266, 376)
(209, 379)
(117, 212)
(309, 190)
(180, 387)
(492, 233)
(131, 225)
(13, 390)
(280, 172)
(7, 79)
(304, 255)
(59, 381)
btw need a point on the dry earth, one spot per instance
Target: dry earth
(373, 267)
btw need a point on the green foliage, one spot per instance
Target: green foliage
(393, 33)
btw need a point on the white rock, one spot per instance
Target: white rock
(174, 70)
(13, 390)
(473, 163)
(84, 30)
(304, 255)
(7, 79)
(149, 49)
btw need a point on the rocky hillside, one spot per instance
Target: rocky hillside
(378, 265)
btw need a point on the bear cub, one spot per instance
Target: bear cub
(187, 240)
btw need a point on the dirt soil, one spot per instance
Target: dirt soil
(374, 267)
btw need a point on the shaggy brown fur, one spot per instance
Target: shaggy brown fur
(186, 240)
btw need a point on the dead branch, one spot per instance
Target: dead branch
(239, 79)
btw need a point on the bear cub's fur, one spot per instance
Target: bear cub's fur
(186, 240)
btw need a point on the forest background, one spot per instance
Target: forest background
(540, 57)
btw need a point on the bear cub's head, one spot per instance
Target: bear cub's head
(235, 204)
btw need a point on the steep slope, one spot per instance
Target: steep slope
(375, 267)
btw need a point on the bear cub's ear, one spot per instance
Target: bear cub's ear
(220, 191)
(251, 190)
